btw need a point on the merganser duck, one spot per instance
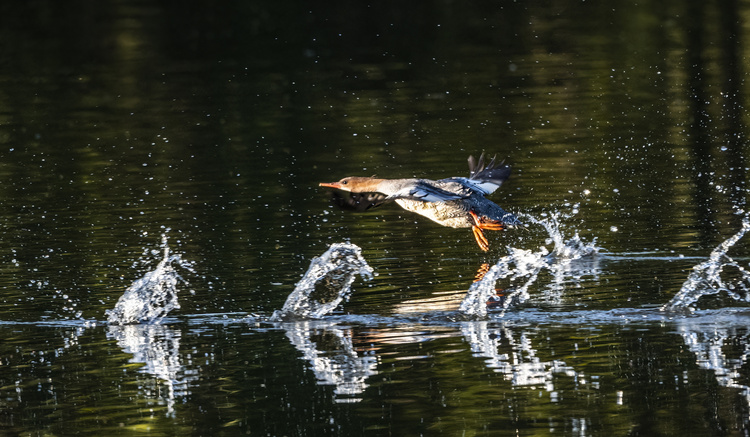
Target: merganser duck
(456, 202)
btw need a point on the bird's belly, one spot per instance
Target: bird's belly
(450, 214)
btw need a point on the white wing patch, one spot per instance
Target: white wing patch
(484, 187)
(432, 196)
(425, 194)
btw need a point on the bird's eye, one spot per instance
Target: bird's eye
(344, 182)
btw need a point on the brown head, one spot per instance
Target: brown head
(355, 184)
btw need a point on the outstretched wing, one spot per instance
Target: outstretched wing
(487, 177)
(426, 192)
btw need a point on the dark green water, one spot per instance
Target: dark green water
(122, 121)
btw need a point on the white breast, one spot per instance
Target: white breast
(444, 213)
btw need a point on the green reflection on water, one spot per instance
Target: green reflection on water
(118, 121)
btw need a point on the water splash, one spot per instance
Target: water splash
(522, 267)
(152, 297)
(326, 283)
(571, 249)
(706, 277)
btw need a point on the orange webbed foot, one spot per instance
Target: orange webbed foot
(481, 239)
(480, 224)
(497, 299)
(481, 271)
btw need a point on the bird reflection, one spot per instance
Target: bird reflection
(498, 299)
(450, 300)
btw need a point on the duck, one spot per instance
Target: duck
(456, 202)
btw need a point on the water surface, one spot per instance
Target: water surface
(214, 124)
